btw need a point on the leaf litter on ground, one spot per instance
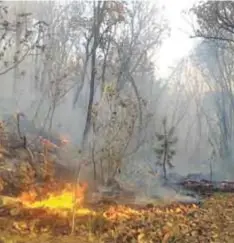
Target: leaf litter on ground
(212, 222)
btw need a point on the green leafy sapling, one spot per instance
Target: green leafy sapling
(165, 149)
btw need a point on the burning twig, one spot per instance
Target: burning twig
(74, 199)
(77, 182)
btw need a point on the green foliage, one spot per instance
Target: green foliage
(165, 149)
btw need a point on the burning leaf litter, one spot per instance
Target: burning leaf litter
(50, 212)
(50, 219)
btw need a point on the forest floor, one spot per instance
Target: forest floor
(213, 221)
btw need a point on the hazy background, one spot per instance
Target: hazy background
(171, 76)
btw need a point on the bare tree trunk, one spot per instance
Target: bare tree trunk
(52, 116)
(165, 153)
(102, 172)
(94, 163)
(96, 26)
(105, 66)
(211, 171)
(164, 168)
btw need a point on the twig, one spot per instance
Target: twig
(24, 140)
(217, 38)
(16, 63)
(74, 199)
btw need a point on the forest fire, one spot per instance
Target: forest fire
(57, 198)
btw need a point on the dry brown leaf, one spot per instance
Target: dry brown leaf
(166, 237)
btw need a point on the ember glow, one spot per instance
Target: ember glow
(47, 143)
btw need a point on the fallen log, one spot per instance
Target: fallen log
(205, 187)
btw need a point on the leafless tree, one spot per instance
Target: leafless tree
(20, 37)
(215, 27)
(121, 57)
(215, 21)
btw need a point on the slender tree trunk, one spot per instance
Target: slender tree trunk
(96, 26)
(94, 164)
(52, 117)
(211, 171)
(164, 166)
(165, 152)
(102, 172)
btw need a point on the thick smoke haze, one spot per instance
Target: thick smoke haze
(185, 98)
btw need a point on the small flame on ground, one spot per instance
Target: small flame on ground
(64, 199)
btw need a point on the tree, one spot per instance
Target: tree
(214, 57)
(215, 20)
(113, 132)
(56, 70)
(102, 20)
(20, 36)
(98, 15)
(121, 58)
(91, 46)
(165, 151)
(218, 106)
(49, 75)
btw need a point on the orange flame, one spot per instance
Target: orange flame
(47, 142)
(61, 199)
(64, 140)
